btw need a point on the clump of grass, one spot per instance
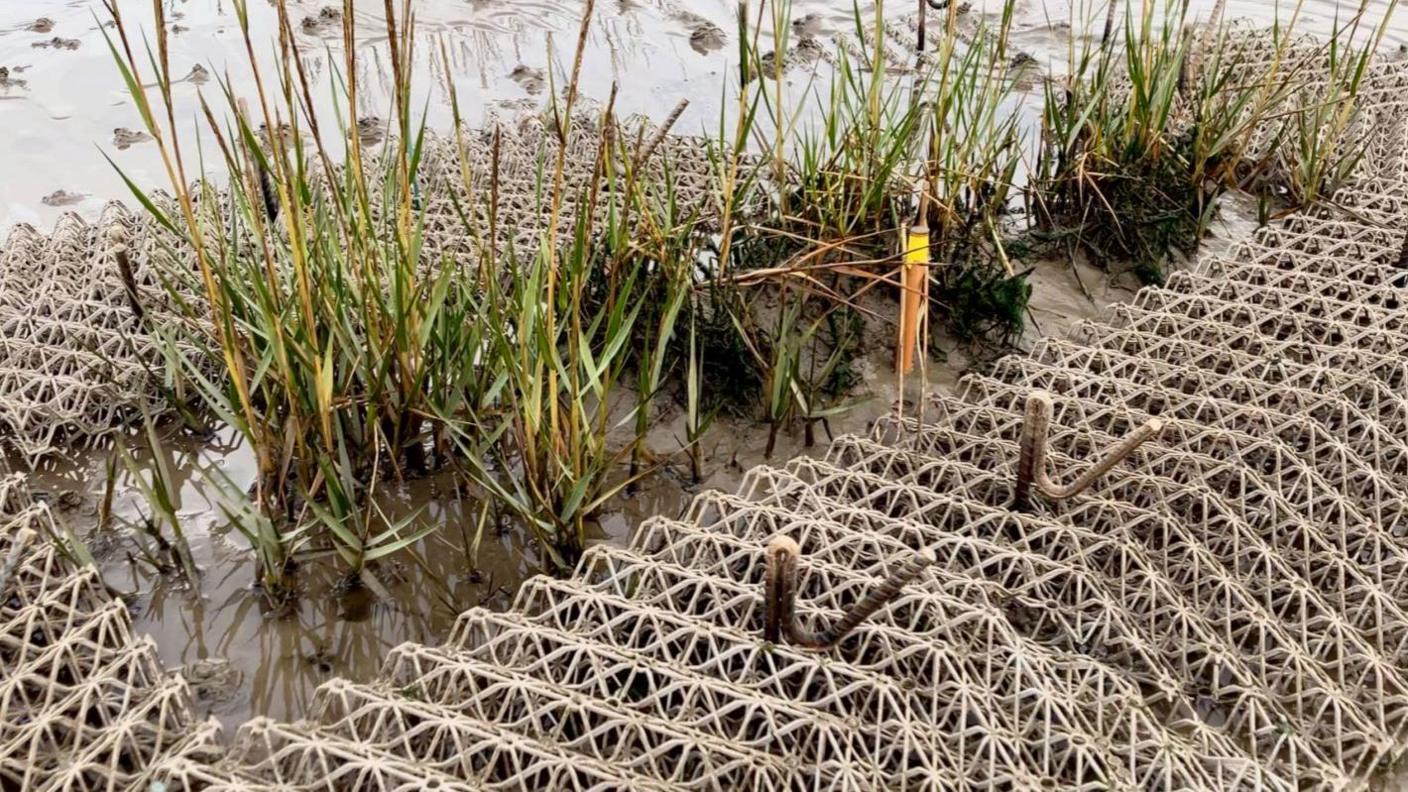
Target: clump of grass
(550, 459)
(1319, 146)
(582, 337)
(829, 190)
(343, 349)
(1138, 143)
(850, 175)
(973, 143)
(974, 150)
(334, 334)
(940, 147)
(317, 300)
(1111, 171)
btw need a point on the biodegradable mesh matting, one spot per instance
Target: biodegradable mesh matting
(1224, 610)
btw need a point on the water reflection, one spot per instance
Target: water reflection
(244, 658)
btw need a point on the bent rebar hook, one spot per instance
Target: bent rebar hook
(780, 596)
(1031, 464)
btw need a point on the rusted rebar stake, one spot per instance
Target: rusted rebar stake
(1031, 462)
(920, 32)
(129, 280)
(780, 597)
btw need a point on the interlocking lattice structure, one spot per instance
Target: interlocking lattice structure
(85, 703)
(1224, 610)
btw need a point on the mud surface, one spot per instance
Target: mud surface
(62, 97)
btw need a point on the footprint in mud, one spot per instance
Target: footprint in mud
(1026, 71)
(213, 680)
(41, 25)
(57, 43)
(808, 26)
(704, 36)
(64, 500)
(808, 51)
(7, 78)
(198, 75)
(371, 130)
(327, 20)
(62, 198)
(528, 78)
(516, 107)
(124, 138)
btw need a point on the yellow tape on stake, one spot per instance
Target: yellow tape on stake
(914, 295)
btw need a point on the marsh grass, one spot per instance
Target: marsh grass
(697, 418)
(1322, 143)
(975, 148)
(337, 336)
(313, 289)
(850, 174)
(871, 154)
(347, 353)
(1159, 119)
(278, 551)
(1119, 169)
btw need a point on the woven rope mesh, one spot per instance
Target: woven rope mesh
(86, 704)
(1224, 610)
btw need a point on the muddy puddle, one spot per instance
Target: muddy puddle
(241, 657)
